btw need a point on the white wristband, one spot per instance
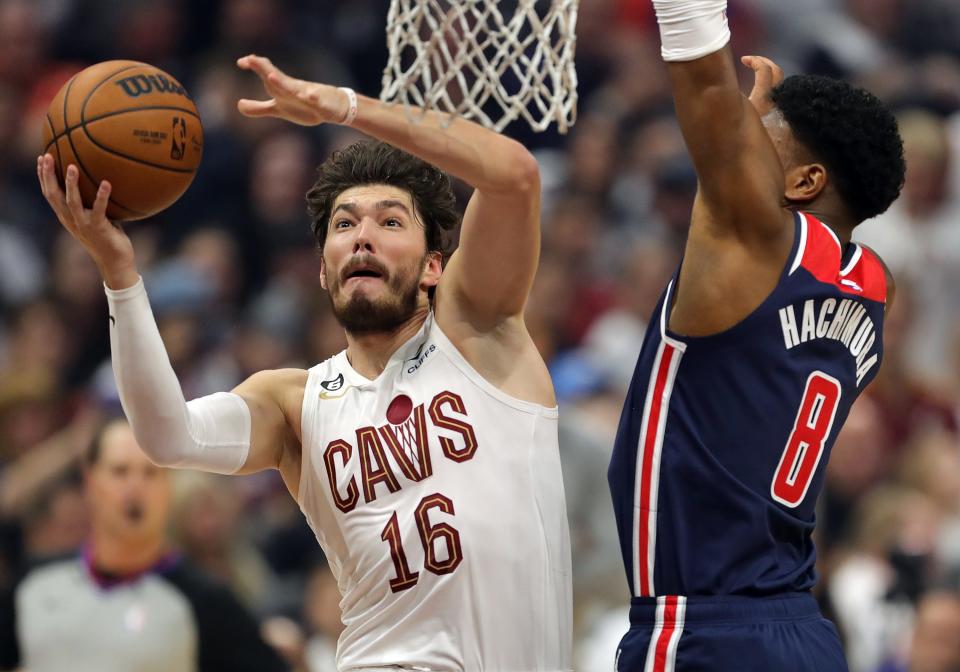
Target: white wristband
(691, 29)
(353, 105)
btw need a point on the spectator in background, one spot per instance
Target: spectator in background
(206, 522)
(878, 576)
(322, 611)
(935, 644)
(240, 293)
(127, 602)
(920, 239)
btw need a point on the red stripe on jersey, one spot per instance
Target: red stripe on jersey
(822, 257)
(870, 275)
(650, 446)
(663, 641)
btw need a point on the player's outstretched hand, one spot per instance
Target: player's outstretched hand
(767, 75)
(109, 246)
(296, 100)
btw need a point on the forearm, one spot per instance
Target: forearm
(738, 168)
(22, 480)
(486, 160)
(706, 92)
(212, 433)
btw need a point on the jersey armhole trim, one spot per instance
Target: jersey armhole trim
(307, 418)
(681, 341)
(458, 360)
(802, 244)
(664, 312)
(854, 258)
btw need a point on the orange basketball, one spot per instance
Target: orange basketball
(131, 124)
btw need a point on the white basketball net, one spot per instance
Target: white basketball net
(488, 60)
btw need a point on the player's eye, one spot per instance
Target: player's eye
(393, 222)
(341, 224)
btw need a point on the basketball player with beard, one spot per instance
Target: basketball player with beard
(425, 455)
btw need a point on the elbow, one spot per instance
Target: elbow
(724, 101)
(525, 171)
(159, 446)
(517, 171)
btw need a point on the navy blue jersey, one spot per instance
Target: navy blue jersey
(724, 440)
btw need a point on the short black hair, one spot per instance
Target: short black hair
(376, 162)
(853, 133)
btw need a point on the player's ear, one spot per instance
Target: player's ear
(323, 272)
(805, 183)
(432, 269)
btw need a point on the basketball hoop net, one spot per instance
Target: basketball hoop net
(492, 61)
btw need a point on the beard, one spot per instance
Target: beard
(361, 315)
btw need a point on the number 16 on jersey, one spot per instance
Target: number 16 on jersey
(441, 543)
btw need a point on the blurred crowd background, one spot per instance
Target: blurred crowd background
(232, 274)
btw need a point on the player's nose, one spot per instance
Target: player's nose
(365, 232)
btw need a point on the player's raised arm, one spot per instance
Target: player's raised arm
(224, 432)
(490, 275)
(741, 177)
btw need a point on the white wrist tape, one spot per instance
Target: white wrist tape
(210, 434)
(691, 29)
(353, 105)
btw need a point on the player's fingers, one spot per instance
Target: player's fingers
(42, 173)
(258, 64)
(74, 203)
(43, 188)
(281, 84)
(101, 202)
(763, 75)
(768, 74)
(257, 108)
(51, 189)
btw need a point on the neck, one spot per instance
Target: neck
(123, 556)
(369, 354)
(842, 226)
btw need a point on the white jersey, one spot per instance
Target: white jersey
(438, 500)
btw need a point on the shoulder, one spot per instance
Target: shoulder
(191, 581)
(891, 285)
(48, 571)
(42, 584)
(278, 379)
(284, 387)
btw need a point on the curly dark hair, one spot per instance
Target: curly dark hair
(375, 162)
(853, 133)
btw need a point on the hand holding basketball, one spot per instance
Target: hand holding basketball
(109, 246)
(296, 100)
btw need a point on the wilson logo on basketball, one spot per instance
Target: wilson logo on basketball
(139, 85)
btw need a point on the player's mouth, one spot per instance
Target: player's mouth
(363, 272)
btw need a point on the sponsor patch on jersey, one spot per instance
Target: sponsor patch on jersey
(418, 359)
(334, 385)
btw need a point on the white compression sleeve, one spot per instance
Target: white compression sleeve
(211, 433)
(691, 29)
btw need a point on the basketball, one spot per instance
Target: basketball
(131, 124)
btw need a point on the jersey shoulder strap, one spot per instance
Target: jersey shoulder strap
(821, 254)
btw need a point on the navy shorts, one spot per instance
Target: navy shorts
(729, 634)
